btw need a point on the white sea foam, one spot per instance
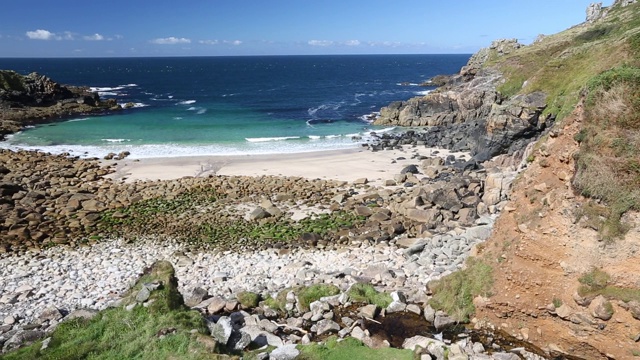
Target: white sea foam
(129, 85)
(170, 96)
(178, 150)
(315, 137)
(103, 89)
(384, 130)
(201, 111)
(116, 140)
(107, 93)
(135, 105)
(425, 92)
(178, 118)
(187, 102)
(74, 120)
(407, 84)
(192, 108)
(267, 139)
(331, 106)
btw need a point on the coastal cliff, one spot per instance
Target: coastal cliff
(471, 114)
(565, 250)
(34, 98)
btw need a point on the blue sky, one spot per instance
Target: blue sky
(65, 28)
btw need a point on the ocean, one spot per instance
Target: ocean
(228, 105)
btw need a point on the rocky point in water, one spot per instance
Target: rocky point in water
(34, 99)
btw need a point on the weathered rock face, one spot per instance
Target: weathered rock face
(469, 114)
(595, 11)
(32, 90)
(450, 105)
(34, 98)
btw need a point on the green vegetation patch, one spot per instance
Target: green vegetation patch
(560, 65)
(596, 282)
(454, 293)
(349, 349)
(159, 331)
(312, 293)
(248, 299)
(608, 163)
(366, 293)
(11, 81)
(202, 217)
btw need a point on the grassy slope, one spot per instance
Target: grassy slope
(563, 63)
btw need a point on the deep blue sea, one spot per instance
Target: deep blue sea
(229, 105)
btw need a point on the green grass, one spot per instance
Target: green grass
(350, 349)
(596, 282)
(366, 293)
(561, 64)
(556, 302)
(607, 165)
(191, 224)
(120, 334)
(454, 293)
(312, 293)
(248, 299)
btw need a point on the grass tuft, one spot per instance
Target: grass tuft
(597, 282)
(454, 293)
(248, 299)
(366, 293)
(312, 293)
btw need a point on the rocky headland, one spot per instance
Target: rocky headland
(520, 238)
(34, 99)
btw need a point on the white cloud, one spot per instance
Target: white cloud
(320, 42)
(68, 35)
(352, 42)
(94, 37)
(41, 35)
(209, 42)
(171, 41)
(233, 42)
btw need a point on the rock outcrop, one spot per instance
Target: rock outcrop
(471, 114)
(34, 98)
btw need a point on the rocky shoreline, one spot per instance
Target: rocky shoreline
(32, 99)
(418, 227)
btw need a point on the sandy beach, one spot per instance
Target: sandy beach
(346, 165)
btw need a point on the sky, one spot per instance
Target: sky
(126, 28)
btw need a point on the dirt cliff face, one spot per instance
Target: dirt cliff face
(541, 246)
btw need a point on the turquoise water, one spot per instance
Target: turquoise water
(229, 105)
